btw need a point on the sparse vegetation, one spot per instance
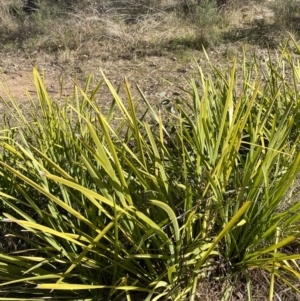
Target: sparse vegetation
(56, 26)
(287, 14)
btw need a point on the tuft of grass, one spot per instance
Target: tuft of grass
(205, 18)
(287, 14)
(104, 204)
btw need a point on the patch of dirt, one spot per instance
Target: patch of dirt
(154, 75)
(157, 76)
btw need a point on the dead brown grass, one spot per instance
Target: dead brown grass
(156, 29)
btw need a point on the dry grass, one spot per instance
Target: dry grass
(128, 30)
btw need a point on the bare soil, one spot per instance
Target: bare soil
(158, 76)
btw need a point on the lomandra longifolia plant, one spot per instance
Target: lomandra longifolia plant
(121, 204)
